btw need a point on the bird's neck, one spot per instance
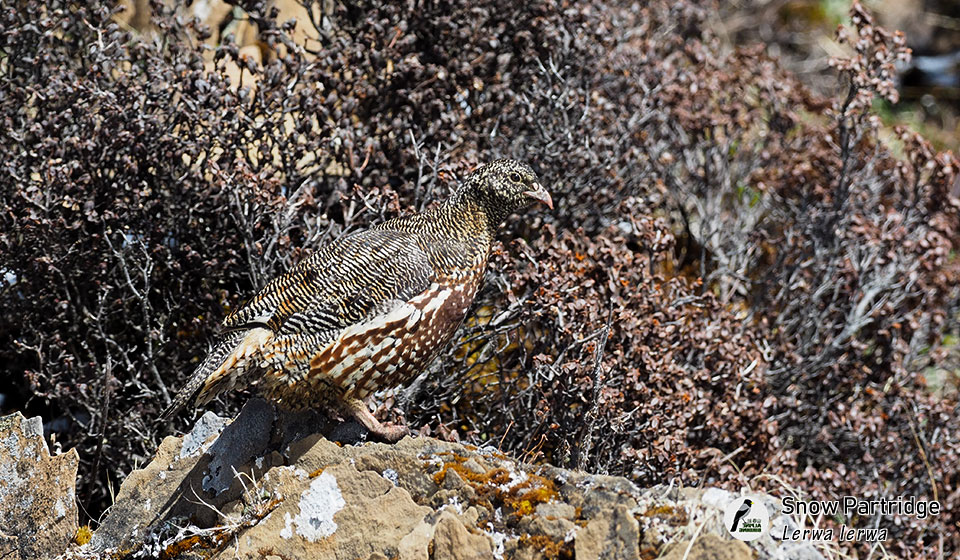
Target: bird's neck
(458, 219)
(467, 219)
(456, 234)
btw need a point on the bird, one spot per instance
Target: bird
(745, 508)
(368, 311)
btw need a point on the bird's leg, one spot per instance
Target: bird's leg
(390, 432)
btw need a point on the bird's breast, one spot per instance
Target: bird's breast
(390, 348)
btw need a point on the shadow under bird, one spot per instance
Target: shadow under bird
(369, 311)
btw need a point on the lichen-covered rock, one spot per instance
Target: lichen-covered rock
(269, 485)
(451, 539)
(708, 547)
(611, 535)
(38, 510)
(339, 513)
(205, 464)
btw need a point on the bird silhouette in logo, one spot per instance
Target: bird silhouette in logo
(745, 508)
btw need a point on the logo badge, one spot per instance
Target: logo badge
(746, 518)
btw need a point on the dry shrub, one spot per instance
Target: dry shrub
(843, 251)
(654, 384)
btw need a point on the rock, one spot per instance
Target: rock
(709, 547)
(452, 540)
(10, 547)
(38, 509)
(184, 471)
(415, 545)
(201, 436)
(613, 535)
(339, 513)
(271, 484)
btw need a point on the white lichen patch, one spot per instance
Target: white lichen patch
(12, 443)
(10, 479)
(516, 477)
(453, 502)
(489, 451)
(392, 476)
(207, 482)
(587, 484)
(318, 504)
(499, 540)
(59, 509)
(287, 531)
(202, 436)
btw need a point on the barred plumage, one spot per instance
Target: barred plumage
(370, 310)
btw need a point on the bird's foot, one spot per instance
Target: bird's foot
(387, 431)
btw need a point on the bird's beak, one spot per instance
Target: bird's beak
(541, 195)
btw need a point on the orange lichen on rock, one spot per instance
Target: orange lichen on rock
(206, 544)
(549, 548)
(672, 515)
(179, 547)
(526, 496)
(523, 498)
(495, 476)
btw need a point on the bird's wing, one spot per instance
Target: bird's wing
(358, 276)
(339, 285)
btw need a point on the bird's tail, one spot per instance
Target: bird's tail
(230, 362)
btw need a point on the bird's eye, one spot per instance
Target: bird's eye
(515, 177)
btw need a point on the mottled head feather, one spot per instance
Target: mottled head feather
(502, 187)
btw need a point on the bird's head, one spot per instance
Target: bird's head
(504, 186)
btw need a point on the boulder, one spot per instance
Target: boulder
(38, 508)
(273, 485)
